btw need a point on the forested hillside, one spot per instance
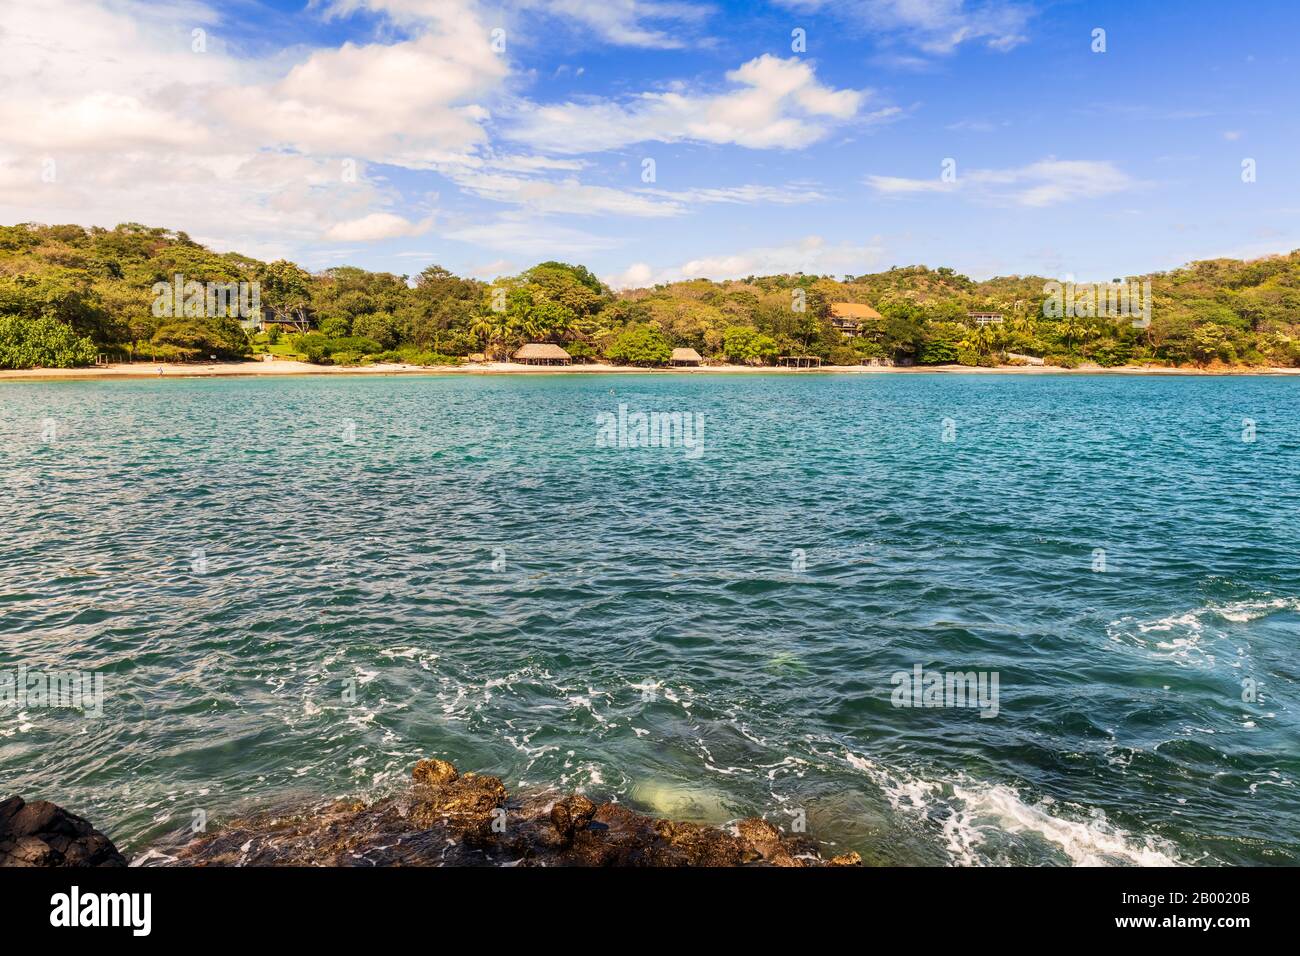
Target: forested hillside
(68, 294)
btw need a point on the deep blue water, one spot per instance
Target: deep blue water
(707, 637)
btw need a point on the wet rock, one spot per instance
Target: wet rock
(434, 772)
(468, 803)
(571, 815)
(43, 834)
(469, 819)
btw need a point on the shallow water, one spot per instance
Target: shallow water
(706, 636)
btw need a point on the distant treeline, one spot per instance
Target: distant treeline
(69, 293)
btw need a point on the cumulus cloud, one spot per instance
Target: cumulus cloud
(137, 125)
(811, 255)
(775, 103)
(1044, 183)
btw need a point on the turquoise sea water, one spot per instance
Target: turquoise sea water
(707, 636)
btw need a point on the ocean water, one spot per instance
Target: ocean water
(296, 588)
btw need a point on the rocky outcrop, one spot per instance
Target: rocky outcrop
(42, 834)
(449, 818)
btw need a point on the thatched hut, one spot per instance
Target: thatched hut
(542, 353)
(686, 357)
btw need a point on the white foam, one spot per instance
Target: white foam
(971, 812)
(1191, 636)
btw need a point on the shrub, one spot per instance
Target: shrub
(336, 327)
(582, 351)
(844, 355)
(354, 343)
(1061, 361)
(42, 343)
(349, 358)
(220, 337)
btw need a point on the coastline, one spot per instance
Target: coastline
(444, 818)
(249, 369)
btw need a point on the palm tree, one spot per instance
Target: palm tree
(1071, 328)
(494, 328)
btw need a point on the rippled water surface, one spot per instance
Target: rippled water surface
(705, 637)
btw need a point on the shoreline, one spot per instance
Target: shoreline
(443, 818)
(275, 369)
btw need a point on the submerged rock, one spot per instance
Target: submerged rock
(452, 819)
(43, 834)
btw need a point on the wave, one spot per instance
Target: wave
(969, 814)
(1181, 636)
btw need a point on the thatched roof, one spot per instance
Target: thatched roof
(541, 350)
(686, 355)
(853, 310)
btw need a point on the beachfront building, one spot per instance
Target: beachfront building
(851, 318)
(799, 361)
(686, 357)
(542, 353)
(985, 318)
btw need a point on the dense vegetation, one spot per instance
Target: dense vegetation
(68, 293)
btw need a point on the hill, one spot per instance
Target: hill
(69, 293)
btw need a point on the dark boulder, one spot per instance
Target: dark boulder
(43, 834)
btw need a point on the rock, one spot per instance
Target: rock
(846, 859)
(43, 834)
(469, 819)
(571, 815)
(434, 772)
(466, 803)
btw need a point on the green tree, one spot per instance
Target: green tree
(747, 345)
(640, 345)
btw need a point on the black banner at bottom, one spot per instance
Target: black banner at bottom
(335, 906)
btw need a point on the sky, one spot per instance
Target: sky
(657, 140)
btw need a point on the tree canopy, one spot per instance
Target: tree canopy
(67, 291)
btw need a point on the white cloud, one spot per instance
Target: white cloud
(896, 185)
(811, 255)
(746, 195)
(936, 27)
(572, 197)
(376, 226)
(142, 128)
(567, 196)
(640, 23)
(524, 235)
(1044, 183)
(663, 24)
(412, 103)
(776, 104)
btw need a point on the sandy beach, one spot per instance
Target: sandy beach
(138, 370)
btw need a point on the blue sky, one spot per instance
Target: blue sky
(487, 136)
